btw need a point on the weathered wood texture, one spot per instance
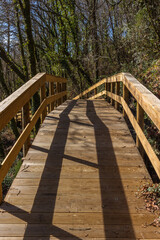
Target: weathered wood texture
(42, 97)
(140, 134)
(10, 158)
(12, 104)
(79, 180)
(20, 98)
(25, 121)
(51, 92)
(140, 121)
(117, 92)
(146, 102)
(90, 89)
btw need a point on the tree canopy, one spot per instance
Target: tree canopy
(82, 40)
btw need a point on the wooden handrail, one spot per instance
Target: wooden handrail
(12, 104)
(51, 78)
(146, 102)
(20, 99)
(90, 89)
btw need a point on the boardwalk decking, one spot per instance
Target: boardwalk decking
(79, 180)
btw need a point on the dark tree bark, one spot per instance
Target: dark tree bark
(12, 64)
(21, 42)
(7, 93)
(95, 37)
(154, 14)
(25, 8)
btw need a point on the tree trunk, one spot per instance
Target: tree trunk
(7, 93)
(25, 8)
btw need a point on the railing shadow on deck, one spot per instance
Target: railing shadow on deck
(63, 123)
(110, 199)
(49, 229)
(103, 141)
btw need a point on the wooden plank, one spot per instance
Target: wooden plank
(51, 92)
(84, 183)
(64, 89)
(12, 104)
(25, 121)
(112, 91)
(114, 96)
(10, 158)
(140, 121)
(82, 171)
(42, 98)
(76, 219)
(75, 204)
(51, 78)
(115, 78)
(57, 91)
(79, 179)
(79, 231)
(98, 95)
(117, 92)
(76, 188)
(90, 89)
(126, 99)
(148, 101)
(55, 238)
(67, 238)
(107, 88)
(147, 147)
(55, 97)
(1, 194)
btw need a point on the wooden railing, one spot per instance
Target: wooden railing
(146, 102)
(20, 99)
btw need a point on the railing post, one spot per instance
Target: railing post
(57, 87)
(58, 91)
(126, 98)
(61, 90)
(95, 91)
(87, 95)
(65, 89)
(140, 120)
(112, 91)
(25, 121)
(51, 92)
(117, 91)
(1, 193)
(42, 97)
(107, 88)
(49, 105)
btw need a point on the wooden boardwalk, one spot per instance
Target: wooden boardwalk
(79, 180)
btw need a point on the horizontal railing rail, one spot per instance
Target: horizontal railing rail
(147, 103)
(20, 99)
